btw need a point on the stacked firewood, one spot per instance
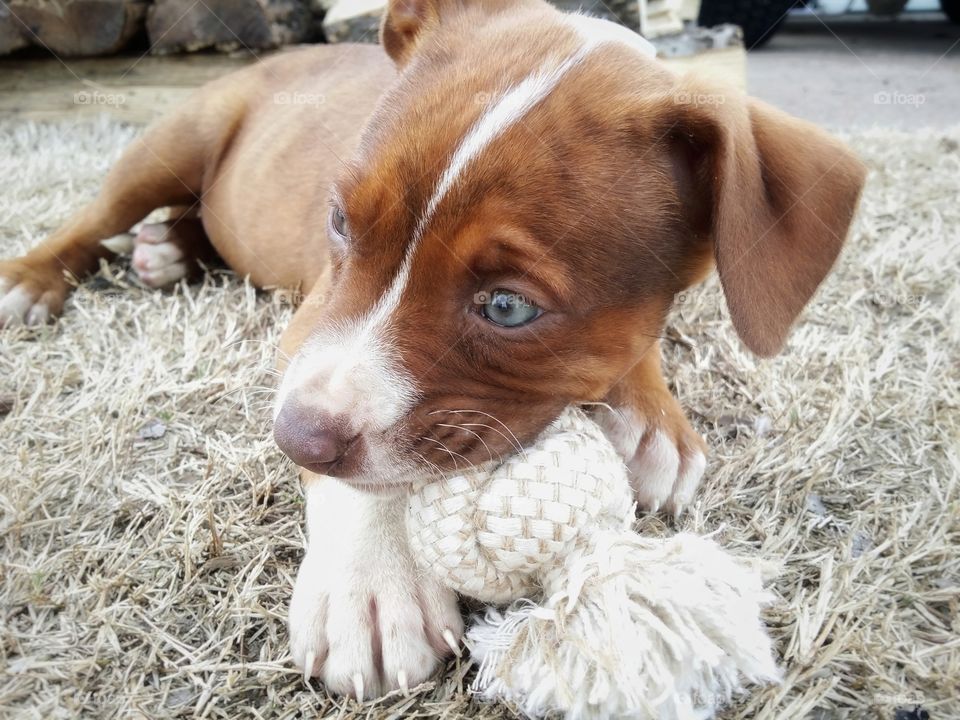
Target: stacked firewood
(78, 28)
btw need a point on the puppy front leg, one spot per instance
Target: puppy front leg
(665, 456)
(364, 618)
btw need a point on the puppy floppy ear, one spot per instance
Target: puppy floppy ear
(780, 197)
(407, 22)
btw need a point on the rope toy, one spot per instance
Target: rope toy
(624, 626)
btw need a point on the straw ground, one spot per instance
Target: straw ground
(150, 530)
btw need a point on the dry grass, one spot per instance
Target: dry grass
(149, 577)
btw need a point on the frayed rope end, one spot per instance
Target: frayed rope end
(630, 627)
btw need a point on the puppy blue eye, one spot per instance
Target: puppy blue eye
(509, 309)
(338, 220)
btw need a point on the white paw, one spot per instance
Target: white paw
(665, 472)
(363, 618)
(665, 460)
(19, 305)
(157, 261)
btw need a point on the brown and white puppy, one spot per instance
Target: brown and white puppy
(505, 237)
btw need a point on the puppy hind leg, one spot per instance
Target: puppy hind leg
(164, 167)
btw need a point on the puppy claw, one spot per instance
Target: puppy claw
(402, 683)
(38, 315)
(121, 244)
(308, 665)
(452, 643)
(665, 471)
(358, 686)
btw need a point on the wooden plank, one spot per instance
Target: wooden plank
(18, 75)
(132, 103)
(135, 89)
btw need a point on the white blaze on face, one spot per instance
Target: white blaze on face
(350, 372)
(354, 371)
(509, 109)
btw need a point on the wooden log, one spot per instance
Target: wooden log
(79, 28)
(11, 32)
(291, 21)
(186, 25)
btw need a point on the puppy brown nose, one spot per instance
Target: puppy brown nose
(311, 438)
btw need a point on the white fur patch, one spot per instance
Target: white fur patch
(512, 106)
(654, 471)
(352, 372)
(158, 263)
(38, 314)
(662, 478)
(596, 30)
(623, 428)
(148, 256)
(119, 244)
(357, 564)
(19, 306)
(349, 371)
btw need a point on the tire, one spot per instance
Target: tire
(760, 19)
(951, 8)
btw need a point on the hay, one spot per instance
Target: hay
(151, 530)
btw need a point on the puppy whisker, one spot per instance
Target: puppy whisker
(243, 394)
(252, 341)
(433, 466)
(449, 451)
(617, 412)
(513, 438)
(476, 435)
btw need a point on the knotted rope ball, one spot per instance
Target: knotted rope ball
(599, 622)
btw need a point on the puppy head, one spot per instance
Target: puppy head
(525, 203)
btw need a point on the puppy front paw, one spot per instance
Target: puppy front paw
(666, 457)
(371, 631)
(363, 618)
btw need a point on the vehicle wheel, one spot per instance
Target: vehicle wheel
(951, 9)
(759, 19)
